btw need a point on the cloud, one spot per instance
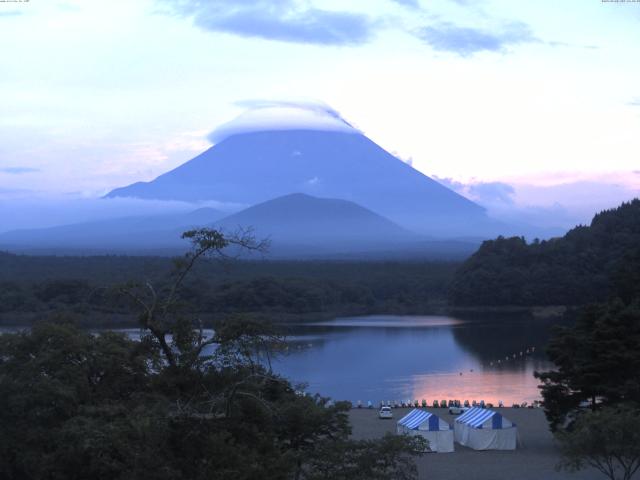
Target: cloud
(270, 115)
(282, 20)
(562, 205)
(492, 192)
(485, 193)
(296, 21)
(313, 106)
(449, 183)
(466, 41)
(18, 170)
(553, 43)
(635, 102)
(406, 159)
(408, 3)
(6, 193)
(29, 209)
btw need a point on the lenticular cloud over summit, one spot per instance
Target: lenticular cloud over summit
(265, 115)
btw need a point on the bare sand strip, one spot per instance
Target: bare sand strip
(535, 459)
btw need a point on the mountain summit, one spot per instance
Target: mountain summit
(301, 219)
(250, 168)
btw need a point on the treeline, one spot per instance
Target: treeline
(596, 365)
(83, 285)
(588, 264)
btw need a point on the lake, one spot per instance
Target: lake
(418, 357)
(384, 357)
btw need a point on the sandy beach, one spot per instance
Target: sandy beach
(535, 459)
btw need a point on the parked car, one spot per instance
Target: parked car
(453, 410)
(385, 412)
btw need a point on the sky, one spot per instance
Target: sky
(530, 108)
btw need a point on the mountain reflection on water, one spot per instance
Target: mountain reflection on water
(418, 357)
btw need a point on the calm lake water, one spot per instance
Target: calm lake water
(414, 357)
(418, 357)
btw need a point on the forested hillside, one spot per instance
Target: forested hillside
(582, 267)
(37, 285)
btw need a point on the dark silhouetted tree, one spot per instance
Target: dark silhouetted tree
(607, 440)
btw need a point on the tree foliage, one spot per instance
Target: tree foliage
(364, 459)
(83, 286)
(598, 364)
(597, 360)
(178, 404)
(607, 440)
(576, 269)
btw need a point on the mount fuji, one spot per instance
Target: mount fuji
(256, 161)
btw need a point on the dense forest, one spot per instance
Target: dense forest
(77, 405)
(586, 265)
(31, 286)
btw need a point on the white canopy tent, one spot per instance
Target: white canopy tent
(483, 429)
(435, 430)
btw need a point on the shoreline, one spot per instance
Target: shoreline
(128, 320)
(535, 458)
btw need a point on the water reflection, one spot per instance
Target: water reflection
(389, 321)
(416, 357)
(394, 358)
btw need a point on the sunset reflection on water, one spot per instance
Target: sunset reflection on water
(490, 385)
(395, 358)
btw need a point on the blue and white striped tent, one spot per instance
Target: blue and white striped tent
(483, 429)
(435, 430)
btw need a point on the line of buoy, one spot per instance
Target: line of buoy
(446, 404)
(513, 356)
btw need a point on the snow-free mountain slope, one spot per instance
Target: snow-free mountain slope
(300, 219)
(249, 168)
